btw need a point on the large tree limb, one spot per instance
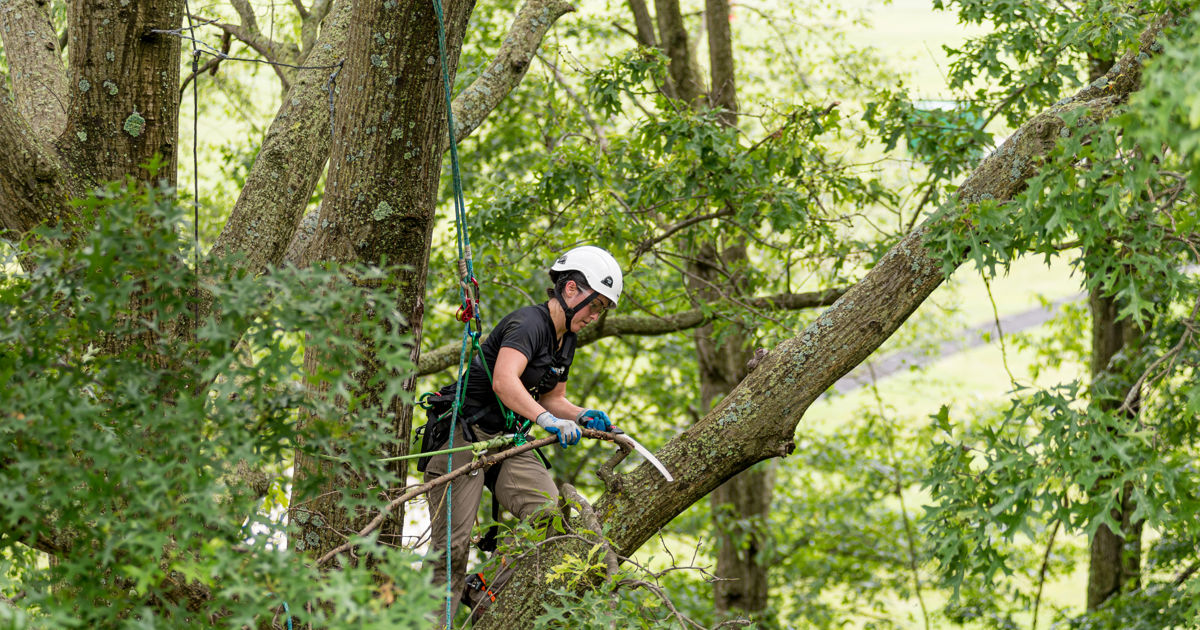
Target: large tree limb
(291, 159)
(505, 71)
(480, 98)
(33, 183)
(758, 419)
(445, 356)
(644, 23)
(35, 62)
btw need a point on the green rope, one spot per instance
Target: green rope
(464, 247)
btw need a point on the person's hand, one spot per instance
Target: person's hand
(568, 432)
(594, 419)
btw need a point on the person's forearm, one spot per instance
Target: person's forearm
(517, 398)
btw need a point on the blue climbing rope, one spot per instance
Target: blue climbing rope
(469, 313)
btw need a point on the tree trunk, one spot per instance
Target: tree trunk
(384, 171)
(124, 86)
(35, 62)
(1115, 557)
(674, 37)
(740, 506)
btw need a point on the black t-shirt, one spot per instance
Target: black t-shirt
(530, 331)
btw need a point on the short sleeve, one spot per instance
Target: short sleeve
(521, 334)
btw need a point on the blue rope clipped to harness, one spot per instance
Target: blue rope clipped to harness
(468, 292)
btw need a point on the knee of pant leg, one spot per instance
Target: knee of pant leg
(537, 509)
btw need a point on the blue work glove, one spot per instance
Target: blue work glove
(568, 432)
(594, 419)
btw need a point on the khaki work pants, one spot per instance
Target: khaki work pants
(524, 487)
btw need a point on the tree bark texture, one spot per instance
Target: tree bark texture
(124, 87)
(33, 185)
(740, 506)
(757, 420)
(35, 63)
(643, 23)
(474, 103)
(1115, 558)
(384, 170)
(292, 155)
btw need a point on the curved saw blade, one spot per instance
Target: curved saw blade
(648, 456)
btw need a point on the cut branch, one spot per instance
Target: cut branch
(646, 325)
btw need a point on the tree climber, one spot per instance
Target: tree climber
(528, 356)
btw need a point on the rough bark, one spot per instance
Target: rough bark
(757, 420)
(33, 183)
(741, 505)
(446, 355)
(380, 199)
(124, 86)
(291, 159)
(1115, 558)
(35, 62)
(480, 98)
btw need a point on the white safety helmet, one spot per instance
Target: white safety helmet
(598, 267)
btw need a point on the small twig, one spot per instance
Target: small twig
(210, 67)
(999, 332)
(670, 231)
(653, 588)
(1171, 355)
(1186, 574)
(1037, 600)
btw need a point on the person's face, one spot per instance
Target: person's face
(587, 314)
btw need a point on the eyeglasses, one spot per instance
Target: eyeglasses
(599, 306)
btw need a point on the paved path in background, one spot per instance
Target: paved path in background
(970, 338)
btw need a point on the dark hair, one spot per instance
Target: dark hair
(561, 278)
